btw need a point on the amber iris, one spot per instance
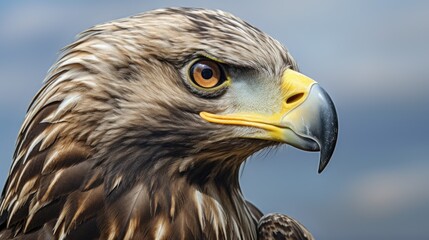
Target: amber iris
(206, 74)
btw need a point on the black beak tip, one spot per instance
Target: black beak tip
(327, 149)
(324, 159)
(322, 165)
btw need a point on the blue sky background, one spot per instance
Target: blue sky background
(370, 55)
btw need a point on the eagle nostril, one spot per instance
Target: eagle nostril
(294, 98)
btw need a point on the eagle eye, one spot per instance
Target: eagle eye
(207, 74)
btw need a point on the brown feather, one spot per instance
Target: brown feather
(281, 227)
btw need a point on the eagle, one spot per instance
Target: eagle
(142, 124)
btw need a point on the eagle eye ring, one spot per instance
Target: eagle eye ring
(207, 75)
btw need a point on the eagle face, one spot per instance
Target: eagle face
(142, 124)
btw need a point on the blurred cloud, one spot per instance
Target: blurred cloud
(26, 22)
(386, 193)
(15, 24)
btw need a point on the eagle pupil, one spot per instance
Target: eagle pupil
(207, 73)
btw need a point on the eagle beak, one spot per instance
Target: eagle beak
(307, 118)
(312, 125)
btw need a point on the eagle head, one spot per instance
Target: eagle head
(143, 123)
